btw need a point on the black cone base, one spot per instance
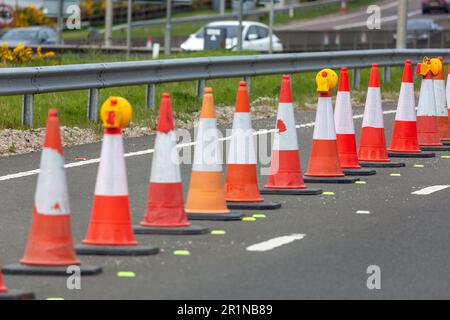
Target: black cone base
(382, 164)
(232, 216)
(435, 148)
(189, 230)
(83, 249)
(411, 155)
(254, 205)
(22, 269)
(359, 172)
(334, 180)
(293, 192)
(15, 294)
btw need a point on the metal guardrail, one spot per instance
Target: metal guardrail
(228, 16)
(37, 80)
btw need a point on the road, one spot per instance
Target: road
(405, 235)
(358, 18)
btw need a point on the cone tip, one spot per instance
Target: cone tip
(242, 84)
(286, 77)
(166, 95)
(344, 69)
(53, 112)
(208, 90)
(374, 80)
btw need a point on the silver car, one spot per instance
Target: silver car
(39, 35)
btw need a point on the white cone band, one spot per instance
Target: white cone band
(447, 90)
(51, 197)
(427, 101)
(439, 95)
(373, 114)
(207, 154)
(242, 147)
(343, 115)
(166, 162)
(406, 107)
(112, 176)
(285, 138)
(324, 127)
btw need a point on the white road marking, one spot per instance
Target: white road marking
(149, 151)
(275, 242)
(363, 212)
(430, 190)
(363, 23)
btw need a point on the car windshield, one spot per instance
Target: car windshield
(231, 31)
(20, 35)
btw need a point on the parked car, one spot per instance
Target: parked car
(420, 29)
(431, 5)
(29, 36)
(255, 36)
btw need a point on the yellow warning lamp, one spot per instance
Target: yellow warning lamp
(326, 80)
(434, 65)
(115, 113)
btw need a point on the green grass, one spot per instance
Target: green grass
(72, 105)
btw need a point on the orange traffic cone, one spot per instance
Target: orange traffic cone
(372, 144)
(50, 248)
(404, 143)
(241, 186)
(324, 165)
(447, 93)
(441, 104)
(206, 197)
(427, 111)
(165, 206)
(13, 294)
(345, 130)
(285, 176)
(110, 231)
(343, 7)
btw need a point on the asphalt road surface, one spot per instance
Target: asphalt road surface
(405, 235)
(357, 19)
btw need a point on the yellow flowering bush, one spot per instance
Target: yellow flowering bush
(31, 16)
(22, 55)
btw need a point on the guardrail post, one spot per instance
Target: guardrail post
(356, 78)
(28, 110)
(150, 95)
(92, 111)
(387, 74)
(200, 88)
(248, 81)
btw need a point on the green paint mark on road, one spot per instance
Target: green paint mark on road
(126, 274)
(395, 175)
(182, 253)
(259, 215)
(218, 232)
(328, 193)
(248, 219)
(360, 182)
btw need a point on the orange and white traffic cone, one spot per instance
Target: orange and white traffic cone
(110, 231)
(50, 247)
(345, 130)
(285, 175)
(447, 93)
(404, 143)
(372, 143)
(427, 111)
(441, 104)
(324, 165)
(165, 205)
(343, 7)
(13, 294)
(206, 197)
(241, 185)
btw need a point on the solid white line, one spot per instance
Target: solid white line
(149, 151)
(363, 212)
(275, 242)
(430, 190)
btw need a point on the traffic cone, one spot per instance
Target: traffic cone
(324, 165)
(241, 185)
(165, 206)
(441, 104)
(345, 130)
(372, 144)
(50, 248)
(427, 111)
(404, 143)
(206, 197)
(447, 93)
(343, 7)
(110, 231)
(285, 176)
(13, 294)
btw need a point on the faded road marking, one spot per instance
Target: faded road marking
(275, 242)
(431, 189)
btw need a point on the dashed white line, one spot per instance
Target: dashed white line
(362, 212)
(430, 190)
(149, 151)
(275, 242)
